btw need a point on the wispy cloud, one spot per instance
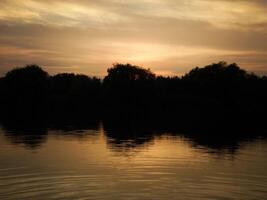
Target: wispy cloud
(168, 36)
(56, 13)
(220, 13)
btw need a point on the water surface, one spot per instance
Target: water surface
(94, 163)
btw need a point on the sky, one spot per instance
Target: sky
(168, 36)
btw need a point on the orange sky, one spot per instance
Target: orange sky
(167, 36)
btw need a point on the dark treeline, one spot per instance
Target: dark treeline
(213, 94)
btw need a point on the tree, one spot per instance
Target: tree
(74, 92)
(26, 88)
(128, 87)
(128, 72)
(217, 72)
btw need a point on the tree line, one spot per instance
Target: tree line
(214, 92)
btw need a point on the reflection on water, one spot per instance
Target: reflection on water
(123, 161)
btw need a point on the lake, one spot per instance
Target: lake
(99, 162)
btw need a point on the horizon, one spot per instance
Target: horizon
(169, 37)
(143, 67)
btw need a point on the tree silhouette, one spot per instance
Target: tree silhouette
(25, 89)
(216, 106)
(218, 72)
(74, 92)
(213, 93)
(127, 72)
(128, 88)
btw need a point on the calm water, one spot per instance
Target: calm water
(93, 163)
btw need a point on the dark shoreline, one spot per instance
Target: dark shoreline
(218, 97)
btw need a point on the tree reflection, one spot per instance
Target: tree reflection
(130, 134)
(125, 135)
(31, 136)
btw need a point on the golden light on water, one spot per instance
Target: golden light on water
(90, 164)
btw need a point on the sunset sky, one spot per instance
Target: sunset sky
(168, 36)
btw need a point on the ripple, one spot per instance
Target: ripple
(163, 170)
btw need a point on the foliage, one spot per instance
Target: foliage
(219, 89)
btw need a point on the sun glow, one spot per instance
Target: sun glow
(165, 35)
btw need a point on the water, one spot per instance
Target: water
(95, 163)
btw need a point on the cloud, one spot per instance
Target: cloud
(55, 13)
(220, 13)
(169, 36)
